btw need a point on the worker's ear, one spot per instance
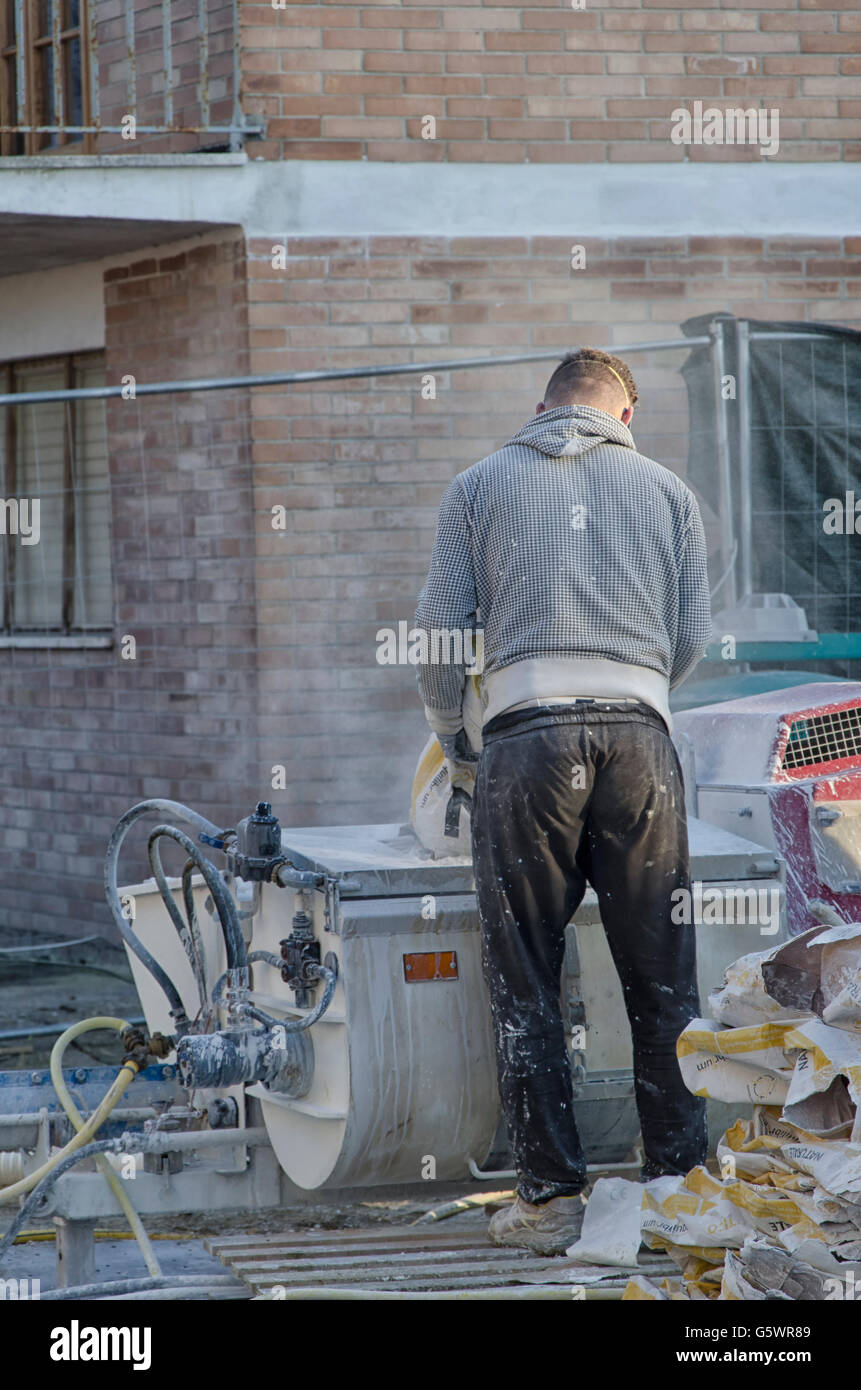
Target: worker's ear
(540, 408)
(627, 415)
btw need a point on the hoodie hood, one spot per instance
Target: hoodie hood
(570, 430)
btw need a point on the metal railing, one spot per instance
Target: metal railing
(736, 550)
(51, 82)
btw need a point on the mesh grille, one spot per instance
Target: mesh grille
(823, 738)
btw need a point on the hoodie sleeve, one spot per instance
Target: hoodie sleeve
(695, 611)
(447, 605)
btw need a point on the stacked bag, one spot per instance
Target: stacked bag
(783, 1219)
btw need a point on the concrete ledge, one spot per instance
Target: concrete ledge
(345, 198)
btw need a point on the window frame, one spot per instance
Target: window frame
(10, 486)
(41, 96)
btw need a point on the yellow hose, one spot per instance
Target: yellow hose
(88, 1025)
(127, 1074)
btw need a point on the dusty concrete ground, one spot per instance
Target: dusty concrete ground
(57, 987)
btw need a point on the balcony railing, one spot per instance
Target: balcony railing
(92, 76)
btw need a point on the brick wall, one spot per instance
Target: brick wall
(86, 734)
(361, 466)
(547, 83)
(256, 644)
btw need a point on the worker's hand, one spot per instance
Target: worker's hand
(460, 759)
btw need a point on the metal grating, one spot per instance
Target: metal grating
(412, 1262)
(823, 738)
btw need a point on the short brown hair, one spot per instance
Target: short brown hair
(589, 365)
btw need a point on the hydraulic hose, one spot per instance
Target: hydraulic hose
(296, 1025)
(234, 942)
(185, 932)
(50, 1173)
(114, 1183)
(128, 1072)
(47, 1177)
(228, 915)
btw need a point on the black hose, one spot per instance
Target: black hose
(182, 928)
(99, 1146)
(298, 1025)
(120, 830)
(228, 917)
(321, 972)
(194, 926)
(117, 1288)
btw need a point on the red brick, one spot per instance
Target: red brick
(831, 43)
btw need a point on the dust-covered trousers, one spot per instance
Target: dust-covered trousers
(587, 792)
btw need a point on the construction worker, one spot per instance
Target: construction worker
(585, 564)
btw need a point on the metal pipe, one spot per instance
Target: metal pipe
(163, 1141)
(118, 129)
(723, 455)
(764, 334)
(203, 60)
(745, 554)
(236, 139)
(329, 374)
(20, 62)
(487, 1174)
(167, 62)
(132, 84)
(131, 1115)
(91, 39)
(57, 62)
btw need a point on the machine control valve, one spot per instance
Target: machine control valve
(300, 953)
(255, 853)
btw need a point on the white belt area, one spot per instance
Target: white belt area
(545, 702)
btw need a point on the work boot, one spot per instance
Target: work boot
(548, 1228)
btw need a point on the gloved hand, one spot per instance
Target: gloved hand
(460, 759)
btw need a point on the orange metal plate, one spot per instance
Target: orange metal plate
(422, 966)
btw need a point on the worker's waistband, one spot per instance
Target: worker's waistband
(575, 711)
(560, 678)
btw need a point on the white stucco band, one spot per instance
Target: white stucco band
(344, 198)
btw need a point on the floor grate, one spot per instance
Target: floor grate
(411, 1261)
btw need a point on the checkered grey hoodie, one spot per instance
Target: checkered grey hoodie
(567, 543)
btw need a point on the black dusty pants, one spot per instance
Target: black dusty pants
(584, 793)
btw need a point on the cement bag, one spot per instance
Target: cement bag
(700, 1210)
(819, 972)
(611, 1225)
(742, 1152)
(834, 1166)
(639, 1289)
(432, 788)
(751, 1064)
(817, 1099)
(742, 998)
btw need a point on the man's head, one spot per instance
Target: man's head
(592, 377)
